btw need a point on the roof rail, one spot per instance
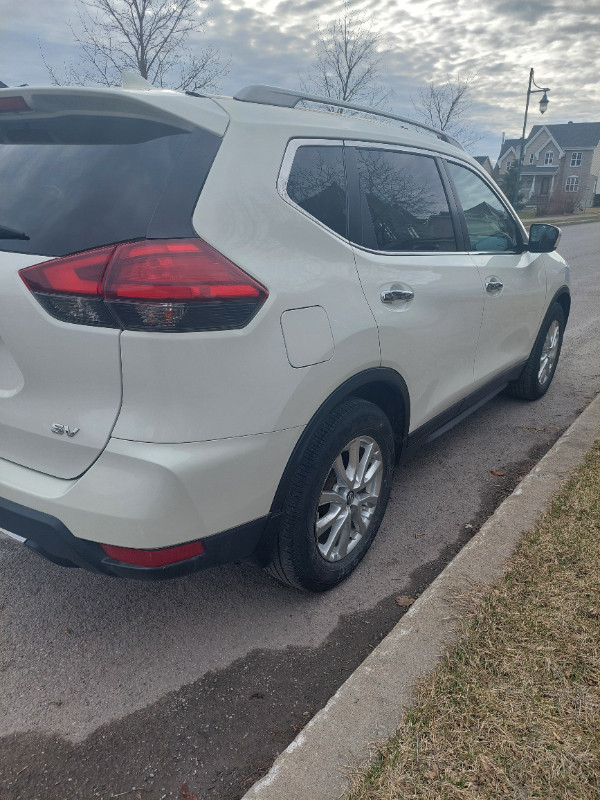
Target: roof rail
(287, 98)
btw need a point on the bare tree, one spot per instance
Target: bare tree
(446, 106)
(148, 37)
(348, 62)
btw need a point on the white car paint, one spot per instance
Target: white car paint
(184, 435)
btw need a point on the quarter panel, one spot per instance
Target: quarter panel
(193, 387)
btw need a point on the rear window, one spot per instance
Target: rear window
(77, 181)
(317, 183)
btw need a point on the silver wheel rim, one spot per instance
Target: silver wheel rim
(549, 353)
(348, 498)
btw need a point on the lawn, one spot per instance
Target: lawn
(513, 710)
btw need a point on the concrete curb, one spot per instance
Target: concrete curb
(369, 706)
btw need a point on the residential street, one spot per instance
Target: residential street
(110, 687)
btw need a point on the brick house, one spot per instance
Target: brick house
(561, 165)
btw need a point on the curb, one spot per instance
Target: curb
(560, 223)
(369, 705)
(576, 222)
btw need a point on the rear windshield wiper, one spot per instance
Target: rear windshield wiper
(11, 233)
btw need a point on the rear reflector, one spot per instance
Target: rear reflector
(154, 558)
(174, 285)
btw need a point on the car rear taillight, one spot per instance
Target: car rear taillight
(174, 285)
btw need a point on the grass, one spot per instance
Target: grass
(513, 710)
(529, 216)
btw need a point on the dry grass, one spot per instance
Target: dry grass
(514, 709)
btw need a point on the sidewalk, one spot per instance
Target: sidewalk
(370, 705)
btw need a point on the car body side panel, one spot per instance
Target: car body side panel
(194, 387)
(431, 339)
(512, 316)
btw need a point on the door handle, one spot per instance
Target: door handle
(493, 285)
(392, 295)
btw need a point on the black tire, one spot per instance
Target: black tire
(357, 432)
(541, 365)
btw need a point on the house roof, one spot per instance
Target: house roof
(482, 159)
(569, 136)
(507, 144)
(572, 134)
(532, 170)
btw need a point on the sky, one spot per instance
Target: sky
(422, 41)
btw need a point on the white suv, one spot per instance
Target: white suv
(223, 320)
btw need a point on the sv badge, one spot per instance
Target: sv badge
(61, 429)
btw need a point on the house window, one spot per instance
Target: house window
(509, 164)
(575, 159)
(572, 184)
(549, 157)
(531, 158)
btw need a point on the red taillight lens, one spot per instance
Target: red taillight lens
(79, 274)
(69, 288)
(175, 270)
(154, 558)
(158, 285)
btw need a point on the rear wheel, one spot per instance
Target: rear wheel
(337, 498)
(541, 365)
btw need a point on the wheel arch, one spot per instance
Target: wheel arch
(381, 386)
(563, 298)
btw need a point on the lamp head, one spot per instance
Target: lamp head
(544, 102)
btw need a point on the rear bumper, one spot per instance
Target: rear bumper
(50, 538)
(146, 496)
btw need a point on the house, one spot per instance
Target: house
(561, 164)
(485, 163)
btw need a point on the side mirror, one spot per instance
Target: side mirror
(543, 238)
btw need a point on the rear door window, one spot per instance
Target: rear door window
(404, 202)
(76, 181)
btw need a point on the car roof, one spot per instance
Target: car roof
(207, 110)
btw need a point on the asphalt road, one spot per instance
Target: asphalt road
(111, 688)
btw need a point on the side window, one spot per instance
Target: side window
(317, 183)
(404, 196)
(489, 224)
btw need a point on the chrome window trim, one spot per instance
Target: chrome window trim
(297, 142)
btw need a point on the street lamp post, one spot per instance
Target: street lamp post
(543, 106)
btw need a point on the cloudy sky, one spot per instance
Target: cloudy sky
(422, 40)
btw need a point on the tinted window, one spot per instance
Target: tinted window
(74, 182)
(406, 202)
(317, 183)
(490, 226)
